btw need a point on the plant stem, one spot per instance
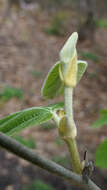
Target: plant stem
(71, 127)
(72, 146)
(32, 157)
(68, 97)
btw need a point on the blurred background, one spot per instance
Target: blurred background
(32, 32)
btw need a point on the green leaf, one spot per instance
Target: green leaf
(7, 118)
(53, 85)
(69, 48)
(82, 65)
(30, 143)
(29, 117)
(101, 155)
(102, 119)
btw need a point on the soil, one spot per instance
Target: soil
(24, 48)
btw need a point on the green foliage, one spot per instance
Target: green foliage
(102, 119)
(37, 74)
(101, 155)
(10, 92)
(53, 85)
(38, 185)
(58, 25)
(30, 143)
(101, 23)
(82, 65)
(28, 117)
(90, 56)
(69, 48)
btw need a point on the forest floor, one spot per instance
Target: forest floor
(26, 55)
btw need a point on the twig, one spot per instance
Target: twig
(32, 157)
(72, 131)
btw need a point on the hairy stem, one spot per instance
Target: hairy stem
(68, 96)
(72, 131)
(72, 146)
(27, 154)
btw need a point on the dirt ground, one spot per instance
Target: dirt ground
(24, 48)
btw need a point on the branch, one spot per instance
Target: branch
(20, 150)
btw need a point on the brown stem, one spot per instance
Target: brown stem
(27, 154)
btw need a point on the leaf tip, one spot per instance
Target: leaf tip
(69, 47)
